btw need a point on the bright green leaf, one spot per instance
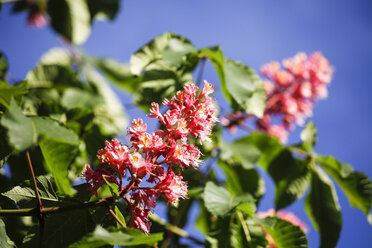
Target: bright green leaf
(56, 56)
(241, 151)
(126, 237)
(47, 76)
(219, 201)
(309, 136)
(284, 233)
(21, 131)
(323, 209)
(245, 87)
(356, 185)
(165, 51)
(71, 19)
(77, 98)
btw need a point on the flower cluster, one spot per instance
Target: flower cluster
(291, 93)
(288, 216)
(152, 156)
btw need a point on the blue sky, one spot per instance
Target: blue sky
(254, 32)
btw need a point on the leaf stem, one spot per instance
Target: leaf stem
(116, 218)
(244, 225)
(201, 71)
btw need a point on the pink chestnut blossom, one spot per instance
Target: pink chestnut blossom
(151, 154)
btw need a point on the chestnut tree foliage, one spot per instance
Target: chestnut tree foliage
(70, 183)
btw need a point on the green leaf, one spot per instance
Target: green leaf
(47, 76)
(284, 233)
(356, 185)
(165, 51)
(5, 242)
(71, 19)
(293, 185)
(126, 237)
(56, 56)
(323, 209)
(241, 151)
(3, 64)
(156, 85)
(58, 155)
(309, 136)
(103, 9)
(245, 88)
(240, 180)
(77, 98)
(268, 146)
(118, 73)
(21, 131)
(61, 229)
(7, 92)
(219, 201)
(110, 116)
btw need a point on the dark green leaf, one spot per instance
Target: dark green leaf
(3, 63)
(124, 237)
(5, 242)
(245, 88)
(21, 131)
(284, 233)
(70, 18)
(106, 9)
(118, 73)
(5, 149)
(309, 136)
(7, 92)
(61, 229)
(165, 51)
(356, 185)
(293, 186)
(240, 180)
(323, 209)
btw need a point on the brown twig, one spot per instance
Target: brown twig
(116, 217)
(39, 205)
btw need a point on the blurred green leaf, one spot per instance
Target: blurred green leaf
(323, 209)
(240, 180)
(241, 151)
(50, 75)
(110, 116)
(56, 56)
(245, 87)
(7, 92)
(118, 73)
(103, 9)
(309, 136)
(293, 185)
(112, 236)
(165, 51)
(3, 63)
(356, 185)
(219, 201)
(77, 98)
(5, 242)
(71, 19)
(284, 233)
(21, 131)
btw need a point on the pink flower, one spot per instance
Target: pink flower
(95, 178)
(172, 187)
(116, 155)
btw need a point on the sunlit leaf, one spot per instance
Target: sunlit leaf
(70, 18)
(309, 136)
(21, 131)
